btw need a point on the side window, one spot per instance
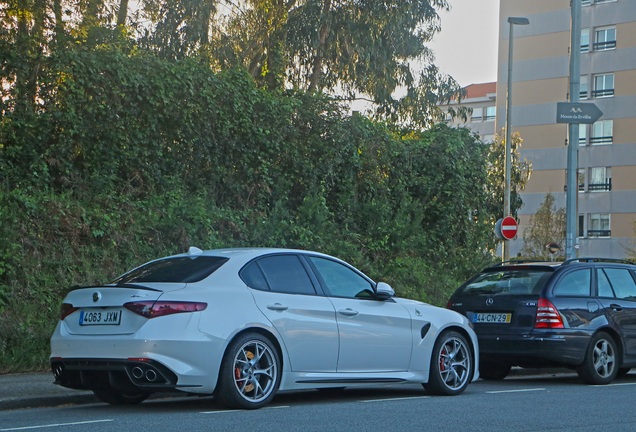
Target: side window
(622, 282)
(341, 281)
(576, 283)
(281, 273)
(604, 286)
(254, 277)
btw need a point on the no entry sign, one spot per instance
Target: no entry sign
(508, 228)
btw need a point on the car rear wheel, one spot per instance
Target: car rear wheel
(250, 373)
(600, 365)
(493, 371)
(115, 397)
(451, 365)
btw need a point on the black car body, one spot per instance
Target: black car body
(579, 314)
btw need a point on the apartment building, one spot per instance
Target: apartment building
(481, 99)
(607, 148)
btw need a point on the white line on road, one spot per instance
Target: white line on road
(516, 391)
(233, 411)
(56, 425)
(395, 399)
(613, 385)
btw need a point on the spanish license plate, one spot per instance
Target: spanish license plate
(112, 317)
(492, 318)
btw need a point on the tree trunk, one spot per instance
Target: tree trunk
(122, 14)
(316, 74)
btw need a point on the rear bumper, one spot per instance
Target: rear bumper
(535, 350)
(123, 375)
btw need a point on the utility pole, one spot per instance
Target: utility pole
(505, 249)
(573, 141)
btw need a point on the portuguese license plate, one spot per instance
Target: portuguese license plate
(111, 317)
(492, 318)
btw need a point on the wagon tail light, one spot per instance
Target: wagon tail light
(151, 309)
(548, 317)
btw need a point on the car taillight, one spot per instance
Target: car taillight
(66, 309)
(547, 315)
(150, 309)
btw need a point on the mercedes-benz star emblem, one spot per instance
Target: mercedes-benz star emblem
(489, 301)
(96, 297)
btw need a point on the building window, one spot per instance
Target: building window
(581, 226)
(582, 134)
(603, 86)
(477, 114)
(602, 132)
(600, 179)
(491, 113)
(581, 176)
(583, 87)
(585, 40)
(605, 39)
(599, 225)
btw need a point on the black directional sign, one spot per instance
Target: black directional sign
(574, 112)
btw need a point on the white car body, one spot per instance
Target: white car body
(321, 340)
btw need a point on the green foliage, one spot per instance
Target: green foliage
(130, 157)
(520, 170)
(547, 226)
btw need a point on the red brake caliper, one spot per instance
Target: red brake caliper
(442, 364)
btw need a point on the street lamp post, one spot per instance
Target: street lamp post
(505, 252)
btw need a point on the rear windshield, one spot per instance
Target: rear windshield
(508, 281)
(181, 269)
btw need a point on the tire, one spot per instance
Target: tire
(493, 371)
(250, 373)
(114, 397)
(451, 365)
(601, 363)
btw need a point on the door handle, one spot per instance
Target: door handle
(348, 312)
(277, 307)
(616, 307)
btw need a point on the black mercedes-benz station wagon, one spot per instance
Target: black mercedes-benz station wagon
(580, 314)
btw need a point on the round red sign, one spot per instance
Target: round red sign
(509, 227)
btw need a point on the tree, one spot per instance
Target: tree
(369, 48)
(520, 171)
(546, 229)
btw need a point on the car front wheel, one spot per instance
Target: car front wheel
(601, 364)
(250, 373)
(451, 365)
(493, 371)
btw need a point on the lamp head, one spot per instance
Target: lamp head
(518, 20)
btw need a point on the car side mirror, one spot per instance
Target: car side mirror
(383, 291)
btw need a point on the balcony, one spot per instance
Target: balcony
(599, 233)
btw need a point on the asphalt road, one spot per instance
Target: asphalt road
(548, 402)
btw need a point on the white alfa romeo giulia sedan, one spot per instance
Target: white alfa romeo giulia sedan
(241, 324)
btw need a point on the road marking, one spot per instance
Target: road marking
(57, 425)
(515, 391)
(395, 399)
(233, 411)
(614, 384)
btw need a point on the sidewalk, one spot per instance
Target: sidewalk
(37, 390)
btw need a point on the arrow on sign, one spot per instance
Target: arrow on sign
(574, 112)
